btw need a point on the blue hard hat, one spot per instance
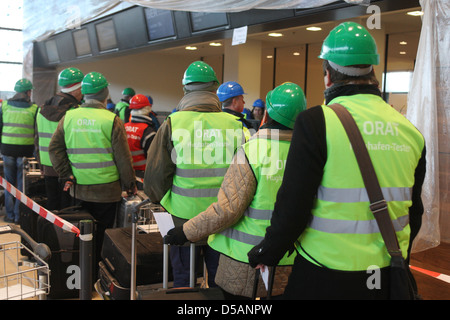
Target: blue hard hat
(229, 90)
(258, 103)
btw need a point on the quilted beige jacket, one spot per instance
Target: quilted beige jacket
(235, 195)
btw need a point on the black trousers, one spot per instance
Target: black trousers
(104, 215)
(309, 281)
(57, 199)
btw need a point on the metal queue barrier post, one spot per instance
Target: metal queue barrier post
(134, 220)
(86, 258)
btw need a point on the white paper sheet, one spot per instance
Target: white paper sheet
(164, 221)
(265, 276)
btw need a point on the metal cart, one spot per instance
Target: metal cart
(23, 278)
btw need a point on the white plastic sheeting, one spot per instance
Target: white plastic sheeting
(233, 5)
(428, 110)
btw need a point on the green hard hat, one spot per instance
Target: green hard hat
(70, 76)
(93, 82)
(128, 92)
(285, 102)
(23, 85)
(199, 71)
(350, 44)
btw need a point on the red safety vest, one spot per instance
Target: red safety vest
(135, 131)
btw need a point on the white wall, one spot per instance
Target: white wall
(156, 74)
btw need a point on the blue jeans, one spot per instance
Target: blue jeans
(180, 257)
(13, 168)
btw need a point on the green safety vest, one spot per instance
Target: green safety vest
(343, 233)
(87, 133)
(267, 159)
(18, 124)
(45, 128)
(120, 109)
(204, 145)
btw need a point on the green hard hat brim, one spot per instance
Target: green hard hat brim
(351, 59)
(90, 89)
(203, 79)
(280, 119)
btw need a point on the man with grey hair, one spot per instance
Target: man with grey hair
(89, 150)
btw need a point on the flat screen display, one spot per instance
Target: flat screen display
(159, 24)
(201, 21)
(81, 40)
(106, 35)
(52, 51)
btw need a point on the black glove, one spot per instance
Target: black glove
(175, 236)
(260, 254)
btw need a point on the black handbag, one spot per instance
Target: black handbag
(400, 284)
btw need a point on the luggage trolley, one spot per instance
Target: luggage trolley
(23, 279)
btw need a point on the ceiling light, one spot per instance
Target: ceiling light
(269, 57)
(402, 52)
(215, 44)
(191, 48)
(415, 13)
(403, 43)
(296, 53)
(313, 28)
(275, 34)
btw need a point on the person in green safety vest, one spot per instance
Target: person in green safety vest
(122, 107)
(89, 151)
(17, 123)
(188, 158)
(47, 119)
(322, 208)
(239, 218)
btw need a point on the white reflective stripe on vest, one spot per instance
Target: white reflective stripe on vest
(89, 150)
(93, 165)
(360, 194)
(258, 214)
(353, 226)
(139, 163)
(242, 236)
(18, 135)
(45, 135)
(195, 193)
(18, 125)
(200, 173)
(137, 153)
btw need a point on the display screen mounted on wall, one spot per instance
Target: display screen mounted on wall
(201, 21)
(52, 51)
(81, 40)
(106, 35)
(159, 24)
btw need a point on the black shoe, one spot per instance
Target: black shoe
(6, 219)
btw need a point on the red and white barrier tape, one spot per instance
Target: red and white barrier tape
(38, 209)
(433, 274)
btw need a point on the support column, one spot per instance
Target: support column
(242, 64)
